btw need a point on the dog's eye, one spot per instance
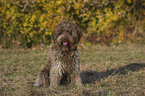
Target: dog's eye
(70, 33)
(59, 33)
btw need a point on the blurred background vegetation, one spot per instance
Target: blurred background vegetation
(29, 23)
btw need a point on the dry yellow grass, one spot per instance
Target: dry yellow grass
(105, 71)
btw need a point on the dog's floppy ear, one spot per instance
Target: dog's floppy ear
(56, 31)
(53, 36)
(79, 32)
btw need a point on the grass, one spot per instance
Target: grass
(105, 71)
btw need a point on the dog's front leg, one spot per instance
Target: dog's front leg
(75, 79)
(55, 77)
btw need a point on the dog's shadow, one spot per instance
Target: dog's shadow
(92, 76)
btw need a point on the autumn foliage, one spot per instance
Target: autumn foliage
(30, 22)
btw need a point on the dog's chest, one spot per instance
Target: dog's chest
(67, 61)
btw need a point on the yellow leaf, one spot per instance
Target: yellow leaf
(103, 2)
(129, 1)
(58, 2)
(121, 35)
(46, 33)
(31, 34)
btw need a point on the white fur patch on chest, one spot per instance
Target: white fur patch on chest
(58, 67)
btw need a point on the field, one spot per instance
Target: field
(105, 71)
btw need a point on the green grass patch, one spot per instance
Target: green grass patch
(114, 70)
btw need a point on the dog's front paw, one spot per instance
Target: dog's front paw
(37, 85)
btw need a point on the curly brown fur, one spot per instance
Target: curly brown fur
(62, 65)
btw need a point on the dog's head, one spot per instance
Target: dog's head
(66, 35)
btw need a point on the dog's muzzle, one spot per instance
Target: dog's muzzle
(65, 42)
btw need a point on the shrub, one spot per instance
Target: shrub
(30, 22)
